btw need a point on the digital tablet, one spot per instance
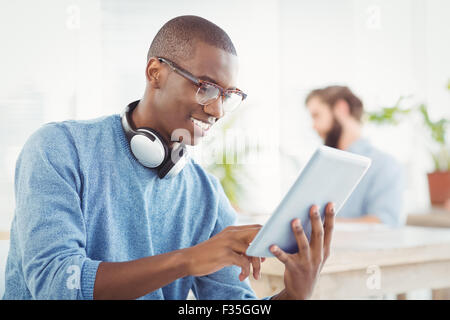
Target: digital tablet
(330, 175)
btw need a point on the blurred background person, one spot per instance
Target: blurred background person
(336, 113)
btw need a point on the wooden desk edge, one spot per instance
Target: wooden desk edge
(382, 258)
(4, 235)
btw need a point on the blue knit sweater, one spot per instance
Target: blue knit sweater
(82, 198)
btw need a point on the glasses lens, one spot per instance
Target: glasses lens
(231, 101)
(207, 94)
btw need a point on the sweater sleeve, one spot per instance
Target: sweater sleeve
(223, 284)
(50, 223)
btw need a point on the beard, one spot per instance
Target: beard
(333, 136)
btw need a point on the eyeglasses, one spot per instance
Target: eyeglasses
(209, 92)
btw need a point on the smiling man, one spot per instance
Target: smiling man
(104, 210)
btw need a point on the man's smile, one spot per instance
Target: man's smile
(202, 124)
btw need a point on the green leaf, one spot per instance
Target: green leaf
(437, 129)
(389, 115)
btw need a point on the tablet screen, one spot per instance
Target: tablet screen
(330, 175)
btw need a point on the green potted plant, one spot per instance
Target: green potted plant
(439, 178)
(230, 174)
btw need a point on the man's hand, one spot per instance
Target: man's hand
(302, 269)
(224, 249)
(133, 279)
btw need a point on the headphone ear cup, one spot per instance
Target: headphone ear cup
(149, 148)
(161, 140)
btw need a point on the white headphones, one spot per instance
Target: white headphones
(151, 149)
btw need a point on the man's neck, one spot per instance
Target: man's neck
(351, 132)
(142, 117)
(138, 116)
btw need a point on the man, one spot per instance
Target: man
(92, 221)
(336, 113)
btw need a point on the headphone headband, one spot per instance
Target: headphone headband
(126, 120)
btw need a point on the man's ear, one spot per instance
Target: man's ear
(153, 72)
(341, 109)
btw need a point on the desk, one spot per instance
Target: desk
(4, 248)
(4, 235)
(436, 217)
(373, 260)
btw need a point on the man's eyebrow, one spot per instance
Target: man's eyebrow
(209, 79)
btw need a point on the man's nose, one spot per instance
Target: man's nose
(215, 108)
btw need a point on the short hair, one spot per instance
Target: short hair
(332, 94)
(177, 38)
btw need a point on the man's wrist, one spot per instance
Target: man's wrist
(282, 295)
(187, 261)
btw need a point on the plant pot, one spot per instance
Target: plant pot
(439, 186)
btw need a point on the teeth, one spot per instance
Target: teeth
(205, 126)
